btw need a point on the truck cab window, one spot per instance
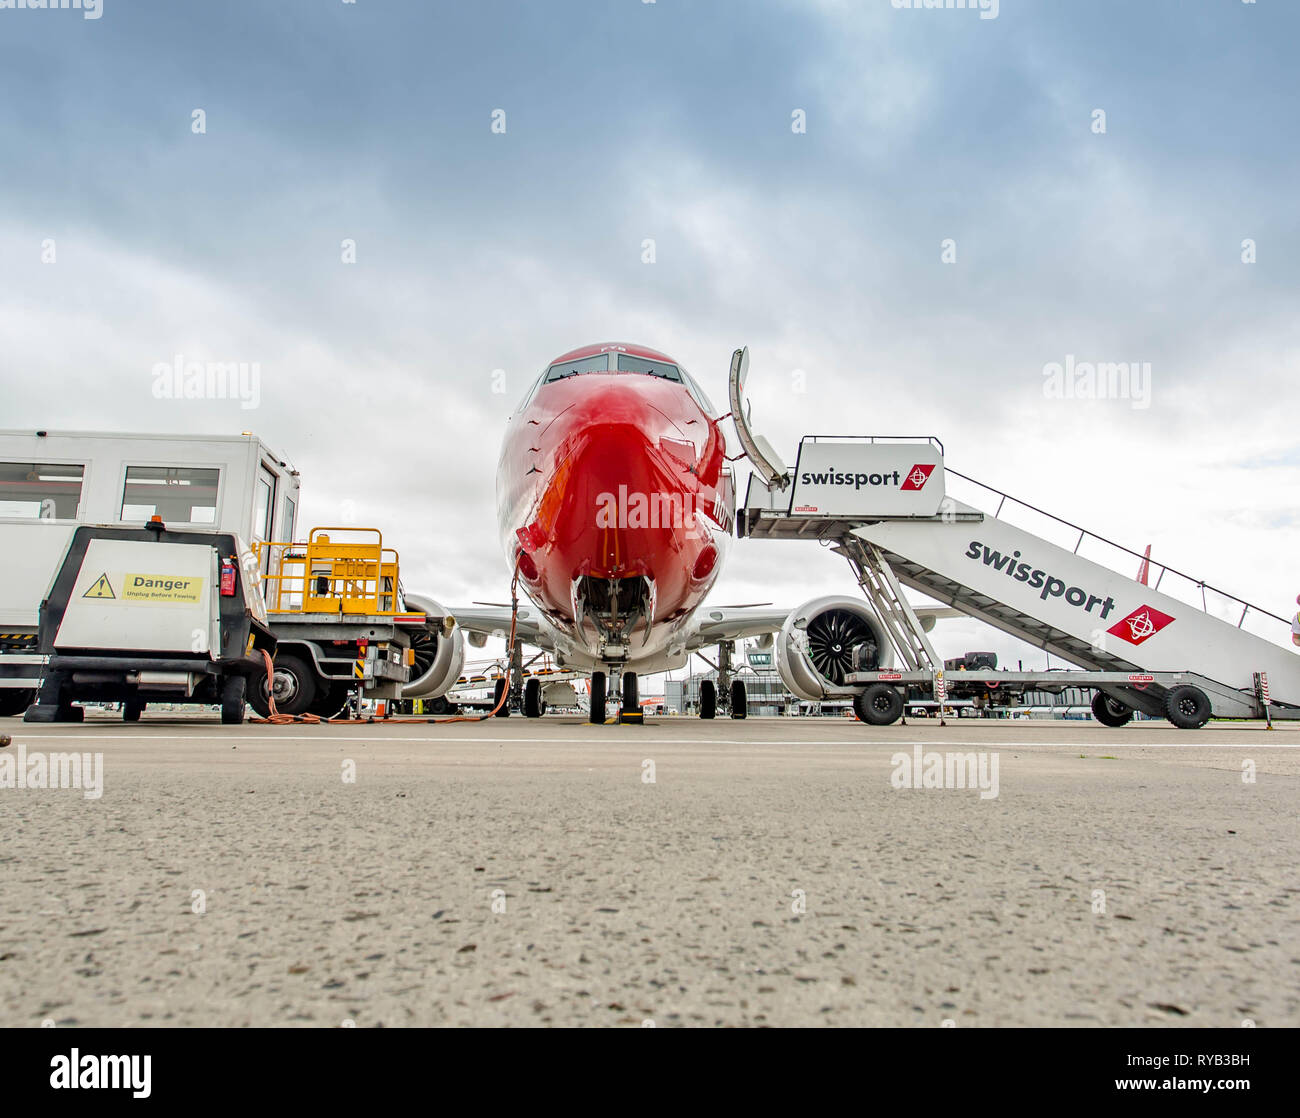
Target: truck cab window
(37, 491)
(179, 494)
(286, 528)
(265, 503)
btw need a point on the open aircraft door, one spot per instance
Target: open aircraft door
(757, 449)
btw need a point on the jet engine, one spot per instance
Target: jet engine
(816, 646)
(439, 654)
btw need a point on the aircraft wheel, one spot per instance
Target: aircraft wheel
(131, 710)
(1187, 707)
(631, 711)
(497, 692)
(597, 713)
(878, 705)
(708, 699)
(1110, 711)
(739, 699)
(533, 705)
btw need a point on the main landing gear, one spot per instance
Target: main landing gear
(708, 699)
(534, 704)
(728, 695)
(523, 698)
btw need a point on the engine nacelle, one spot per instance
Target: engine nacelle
(814, 651)
(439, 656)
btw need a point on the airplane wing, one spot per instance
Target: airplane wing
(490, 620)
(720, 623)
(494, 621)
(730, 623)
(727, 623)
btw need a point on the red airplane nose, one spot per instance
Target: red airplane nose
(615, 503)
(620, 501)
(623, 503)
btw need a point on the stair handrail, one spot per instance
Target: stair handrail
(1247, 607)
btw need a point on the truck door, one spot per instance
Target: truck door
(264, 513)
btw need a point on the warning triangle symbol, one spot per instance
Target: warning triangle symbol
(100, 589)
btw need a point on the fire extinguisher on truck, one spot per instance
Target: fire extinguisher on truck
(228, 577)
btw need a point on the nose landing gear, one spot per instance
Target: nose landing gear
(631, 711)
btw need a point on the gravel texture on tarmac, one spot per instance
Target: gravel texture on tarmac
(529, 873)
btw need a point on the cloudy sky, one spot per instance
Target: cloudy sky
(821, 247)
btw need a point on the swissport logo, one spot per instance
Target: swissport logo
(1140, 625)
(917, 476)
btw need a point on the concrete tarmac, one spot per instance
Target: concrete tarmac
(764, 872)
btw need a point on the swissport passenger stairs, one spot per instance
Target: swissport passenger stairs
(1055, 586)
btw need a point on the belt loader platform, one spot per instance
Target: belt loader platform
(343, 626)
(1177, 648)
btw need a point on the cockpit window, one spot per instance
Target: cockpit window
(561, 369)
(629, 364)
(700, 398)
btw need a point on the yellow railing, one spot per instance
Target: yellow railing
(326, 575)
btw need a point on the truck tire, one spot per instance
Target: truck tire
(329, 701)
(596, 715)
(257, 696)
(1110, 711)
(533, 705)
(708, 699)
(878, 705)
(1187, 707)
(739, 699)
(296, 686)
(233, 693)
(15, 700)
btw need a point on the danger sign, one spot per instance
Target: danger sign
(100, 588)
(161, 588)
